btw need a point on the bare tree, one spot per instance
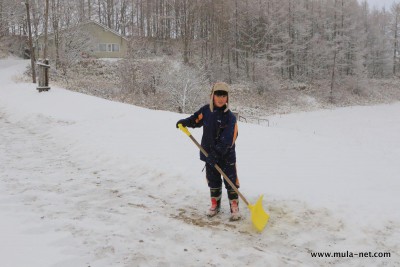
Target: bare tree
(55, 12)
(396, 31)
(237, 40)
(46, 22)
(32, 53)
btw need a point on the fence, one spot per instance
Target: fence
(250, 119)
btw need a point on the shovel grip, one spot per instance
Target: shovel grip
(184, 129)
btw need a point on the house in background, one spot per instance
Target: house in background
(87, 39)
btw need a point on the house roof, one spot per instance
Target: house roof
(90, 22)
(103, 26)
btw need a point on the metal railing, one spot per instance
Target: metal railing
(249, 119)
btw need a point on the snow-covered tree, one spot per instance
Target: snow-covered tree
(186, 87)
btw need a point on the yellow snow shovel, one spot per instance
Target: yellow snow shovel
(258, 216)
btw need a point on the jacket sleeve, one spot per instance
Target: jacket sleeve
(196, 120)
(227, 138)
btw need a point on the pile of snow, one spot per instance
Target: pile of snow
(90, 182)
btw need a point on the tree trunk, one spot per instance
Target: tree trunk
(46, 22)
(28, 16)
(55, 21)
(2, 23)
(333, 76)
(396, 41)
(89, 10)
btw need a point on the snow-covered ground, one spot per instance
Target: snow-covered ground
(89, 182)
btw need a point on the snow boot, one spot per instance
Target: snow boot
(216, 194)
(234, 205)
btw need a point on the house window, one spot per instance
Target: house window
(102, 47)
(109, 47)
(115, 47)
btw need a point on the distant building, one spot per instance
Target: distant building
(88, 39)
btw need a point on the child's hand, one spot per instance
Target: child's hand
(183, 122)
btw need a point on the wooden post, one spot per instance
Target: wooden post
(43, 75)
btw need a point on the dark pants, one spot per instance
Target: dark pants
(214, 178)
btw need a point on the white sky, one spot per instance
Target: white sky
(382, 3)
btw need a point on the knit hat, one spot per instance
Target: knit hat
(219, 86)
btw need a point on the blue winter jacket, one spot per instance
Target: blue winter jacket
(220, 131)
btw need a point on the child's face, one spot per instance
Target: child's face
(220, 100)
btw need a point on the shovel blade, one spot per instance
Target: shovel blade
(258, 216)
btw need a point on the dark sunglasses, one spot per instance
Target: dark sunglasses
(220, 93)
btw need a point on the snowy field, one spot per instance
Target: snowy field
(90, 182)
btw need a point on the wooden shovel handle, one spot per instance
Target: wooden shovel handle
(219, 169)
